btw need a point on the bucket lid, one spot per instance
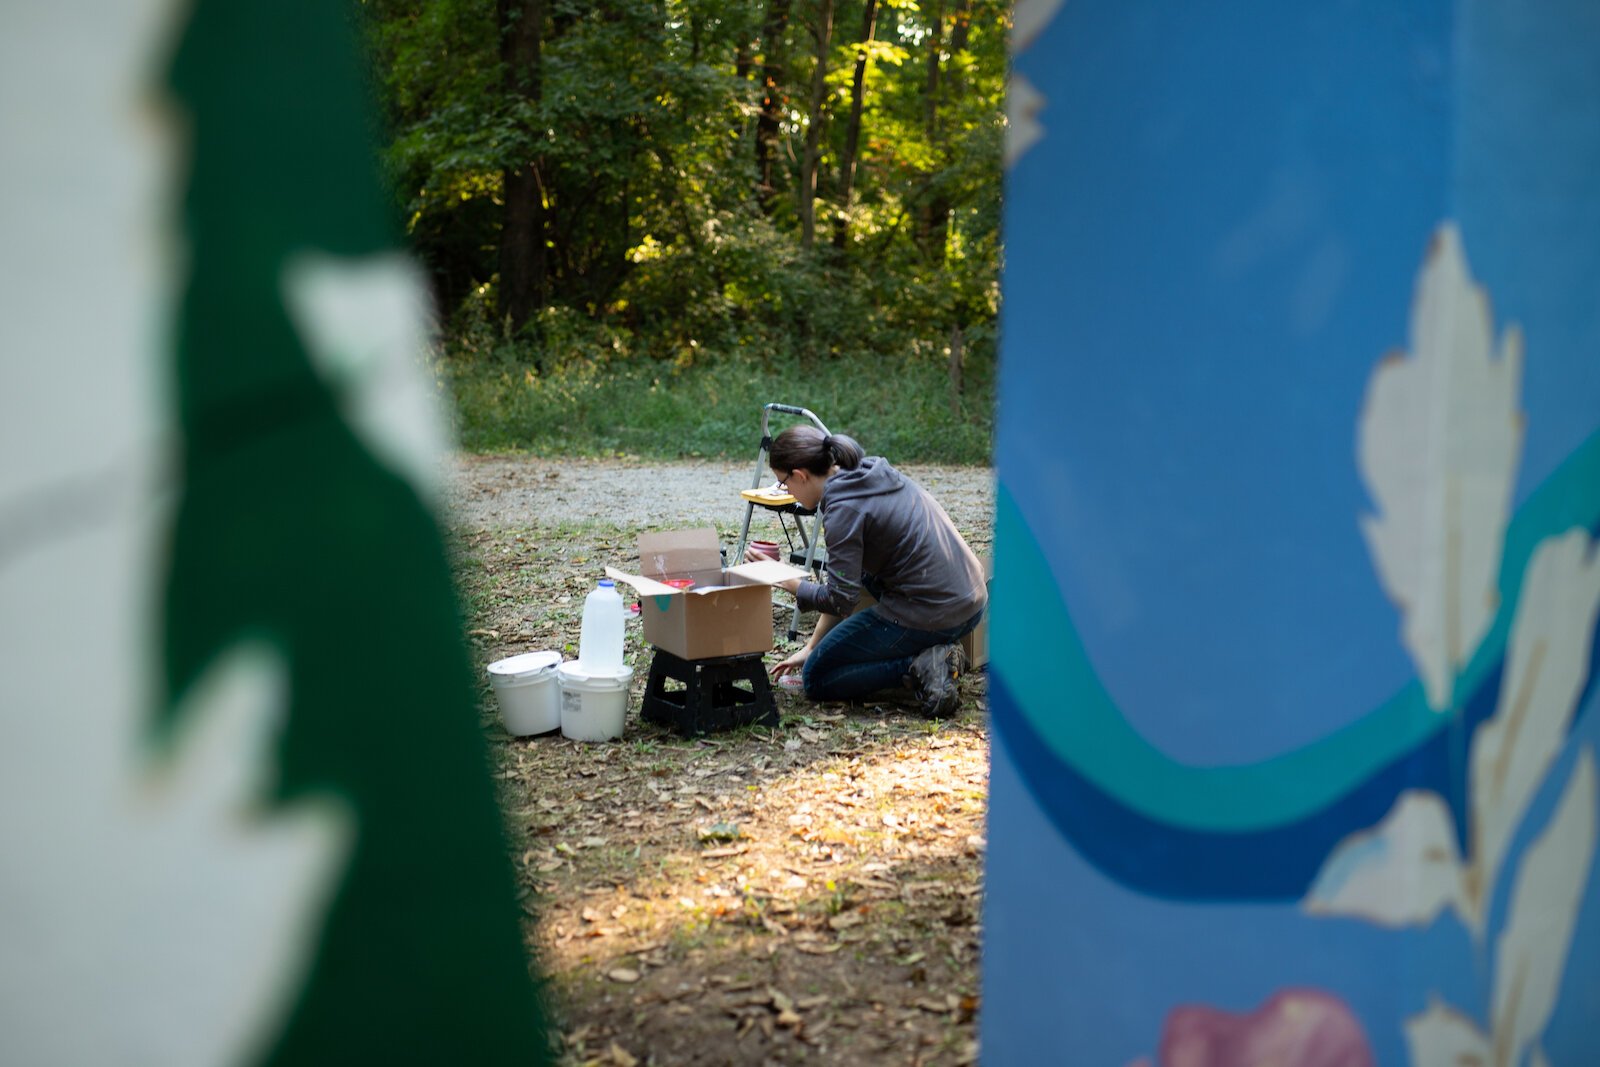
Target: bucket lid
(525, 665)
(570, 671)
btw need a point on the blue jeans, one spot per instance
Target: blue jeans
(867, 653)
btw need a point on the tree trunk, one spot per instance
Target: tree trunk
(771, 102)
(937, 226)
(852, 133)
(930, 126)
(813, 152)
(522, 239)
(957, 350)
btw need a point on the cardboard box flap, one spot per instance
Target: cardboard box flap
(680, 553)
(641, 585)
(765, 572)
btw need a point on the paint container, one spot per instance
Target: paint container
(528, 692)
(594, 705)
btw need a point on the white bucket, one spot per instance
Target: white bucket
(529, 692)
(593, 705)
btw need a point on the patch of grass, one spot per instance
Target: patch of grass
(895, 407)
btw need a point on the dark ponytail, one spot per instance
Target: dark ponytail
(809, 449)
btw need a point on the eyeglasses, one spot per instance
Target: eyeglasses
(783, 483)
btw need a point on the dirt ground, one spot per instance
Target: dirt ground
(810, 893)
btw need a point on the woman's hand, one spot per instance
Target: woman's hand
(791, 585)
(792, 664)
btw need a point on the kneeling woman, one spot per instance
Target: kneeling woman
(886, 535)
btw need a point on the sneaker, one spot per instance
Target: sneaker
(932, 679)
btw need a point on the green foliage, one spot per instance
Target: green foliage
(665, 281)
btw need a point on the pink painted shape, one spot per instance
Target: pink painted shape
(1295, 1027)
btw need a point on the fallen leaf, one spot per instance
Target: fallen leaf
(623, 974)
(620, 1056)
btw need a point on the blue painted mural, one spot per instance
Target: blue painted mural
(1294, 644)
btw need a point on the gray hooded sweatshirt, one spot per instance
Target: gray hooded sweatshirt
(877, 521)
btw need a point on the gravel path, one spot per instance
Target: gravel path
(494, 491)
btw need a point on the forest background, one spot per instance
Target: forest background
(642, 219)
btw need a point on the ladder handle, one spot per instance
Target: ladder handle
(788, 409)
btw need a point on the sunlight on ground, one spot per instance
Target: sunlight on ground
(836, 861)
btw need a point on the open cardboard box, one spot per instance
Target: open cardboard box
(727, 612)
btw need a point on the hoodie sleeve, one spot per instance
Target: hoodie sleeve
(838, 595)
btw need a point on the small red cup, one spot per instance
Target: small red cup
(768, 549)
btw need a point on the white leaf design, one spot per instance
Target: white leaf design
(1023, 130)
(1402, 872)
(160, 915)
(1028, 20)
(1440, 439)
(1532, 951)
(1443, 1037)
(1547, 664)
(365, 324)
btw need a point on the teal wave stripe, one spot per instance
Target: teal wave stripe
(1070, 712)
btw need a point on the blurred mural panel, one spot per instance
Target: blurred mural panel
(1294, 644)
(245, 813)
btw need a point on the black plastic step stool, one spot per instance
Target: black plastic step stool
(711, 695)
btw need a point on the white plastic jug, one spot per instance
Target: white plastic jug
(600, 642)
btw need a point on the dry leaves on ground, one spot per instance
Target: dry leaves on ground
(810, 892)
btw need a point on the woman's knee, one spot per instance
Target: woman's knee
(811, 677)
(820, 677)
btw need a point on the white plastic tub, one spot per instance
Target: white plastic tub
(529, 692)
(593, 704)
